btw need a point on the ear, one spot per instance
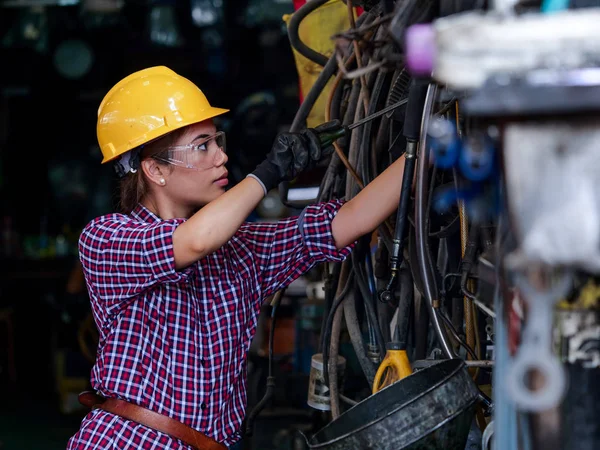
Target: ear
(153, 171)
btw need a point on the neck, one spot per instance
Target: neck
(168, 210)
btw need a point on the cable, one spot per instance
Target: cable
(348, 400)
(363, 81)
(456, 336)
(331, 283)
(347, 275)
(315, 91)
(421, 232)
(369, 308)
(356, 338)
(294, 32)
(270, 391)
(317, 88)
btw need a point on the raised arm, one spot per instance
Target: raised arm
(212, 226)
(375, 203)
(215, 224)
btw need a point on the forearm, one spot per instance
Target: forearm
(211, 227)
(375, 203)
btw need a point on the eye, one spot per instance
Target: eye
(200, 147)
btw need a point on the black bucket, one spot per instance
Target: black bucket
(430, 409)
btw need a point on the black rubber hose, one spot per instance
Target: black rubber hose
(335, 108)
(414, 110)
(371, 284)
(405, 306)
(340, 95)
(356, 338)
(327, 335)
(368, 302)
(412, 130)
(315, 91)
(364, 290)
(294, 32)
(331, 282)
(329, 69)
(366, 139)
(270, 390)
(379, 83)
(397, 254)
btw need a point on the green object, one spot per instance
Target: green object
(328, 138)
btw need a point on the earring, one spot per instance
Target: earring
(162, 181)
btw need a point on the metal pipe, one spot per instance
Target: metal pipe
(482, 363)
(421, 234)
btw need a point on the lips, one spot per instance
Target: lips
(222, 180)
(223, 177)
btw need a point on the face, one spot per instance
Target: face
(197, 186)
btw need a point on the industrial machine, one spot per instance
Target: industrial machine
(473, 311)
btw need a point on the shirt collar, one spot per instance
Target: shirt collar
(143, 214)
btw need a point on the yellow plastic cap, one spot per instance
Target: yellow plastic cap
(147, 105)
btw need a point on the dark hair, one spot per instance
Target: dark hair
(134, 186)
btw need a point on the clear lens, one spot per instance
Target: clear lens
(202, 154)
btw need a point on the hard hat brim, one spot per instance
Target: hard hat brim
(208, 114)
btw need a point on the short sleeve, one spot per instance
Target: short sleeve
(122, 257)
(286, 249)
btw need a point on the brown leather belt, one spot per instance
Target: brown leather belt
(151, 419)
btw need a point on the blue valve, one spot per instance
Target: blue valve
(444, 142)
(476, 160)
(482, 200)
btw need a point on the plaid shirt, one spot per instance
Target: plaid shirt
(176, 341)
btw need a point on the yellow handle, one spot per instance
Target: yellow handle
(395, 366)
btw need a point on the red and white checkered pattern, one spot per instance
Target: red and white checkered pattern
(176, 341)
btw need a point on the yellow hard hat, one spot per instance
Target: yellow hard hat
(146, 105)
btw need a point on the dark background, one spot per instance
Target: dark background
(56, 64)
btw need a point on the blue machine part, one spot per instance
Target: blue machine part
(444, 142)
(482, 199)
(476, 160)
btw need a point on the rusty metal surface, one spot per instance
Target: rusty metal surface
(431, 409)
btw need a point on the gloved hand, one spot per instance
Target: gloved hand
(293, 153)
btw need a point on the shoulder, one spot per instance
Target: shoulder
(106, 223)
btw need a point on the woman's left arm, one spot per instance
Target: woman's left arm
(375, 203)
(286, 249)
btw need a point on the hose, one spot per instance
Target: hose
(344, 285)
(317, 88)
(270, 390)
(397, 254)
(299, 121)
(368, 170)
(422, 234)
(405, 306)
(332, 363)
(294, 32)
(363, 82)
(331, 283)
(370, 283)
(357, 339)
(369, 307)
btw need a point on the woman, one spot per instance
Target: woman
(176, 280)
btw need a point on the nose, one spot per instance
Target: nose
(221, 158)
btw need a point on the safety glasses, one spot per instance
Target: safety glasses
(203, 154)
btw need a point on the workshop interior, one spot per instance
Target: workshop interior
(468, 320)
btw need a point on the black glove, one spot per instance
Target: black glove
(293, 153)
